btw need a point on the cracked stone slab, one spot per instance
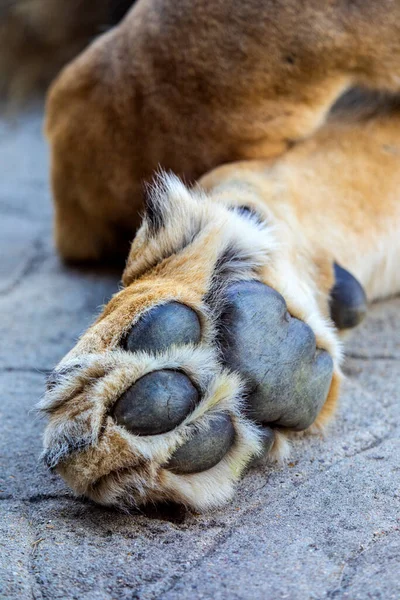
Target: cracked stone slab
(381, 339)
(20, 242)
(323, 526)
(24, 189)
(372, 569)
(48, 309)
(15, 552)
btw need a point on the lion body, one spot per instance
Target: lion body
(189, 87)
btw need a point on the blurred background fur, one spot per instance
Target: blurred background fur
(37, 37)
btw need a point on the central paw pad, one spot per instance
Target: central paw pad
(287, 377)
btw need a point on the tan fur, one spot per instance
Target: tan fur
(250, 90)
(191, 85)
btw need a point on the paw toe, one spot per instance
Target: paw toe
(348, 300)
(205, 449)
(156, 403)
(163, 326)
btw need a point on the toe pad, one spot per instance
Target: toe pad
(348, 300)
(205, 449)
(156, 403)
(163, 326)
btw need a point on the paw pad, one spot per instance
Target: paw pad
(163, 326)
(348, 300)
(164, 415)
(156, 403)
(287, 377)
(206, 448)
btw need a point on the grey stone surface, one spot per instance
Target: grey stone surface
(324, 526)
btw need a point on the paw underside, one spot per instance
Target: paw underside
(173, 414)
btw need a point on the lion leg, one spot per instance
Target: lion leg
(219, 345)
(133, 101)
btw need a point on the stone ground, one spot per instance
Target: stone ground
(326, 525)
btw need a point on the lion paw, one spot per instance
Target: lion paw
(191, 371)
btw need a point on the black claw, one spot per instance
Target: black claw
(156, 403)
(205, 449)
(163, 326)
(288, 379)
(348, 300)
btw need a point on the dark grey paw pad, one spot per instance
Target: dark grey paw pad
(156, 403)
(164, 326)
(205, 449)
(348, 300)
(288, 379)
